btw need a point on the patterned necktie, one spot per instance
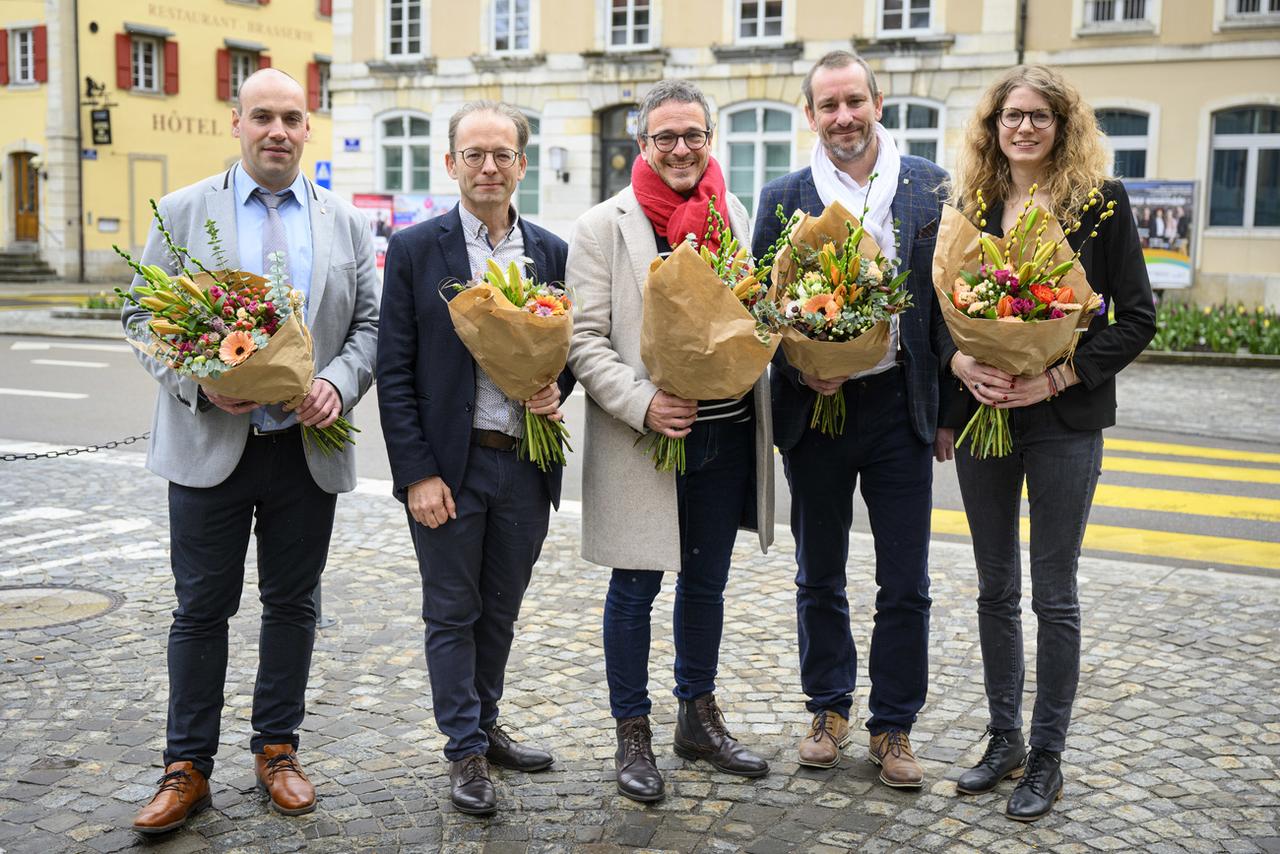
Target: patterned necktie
(273, 238)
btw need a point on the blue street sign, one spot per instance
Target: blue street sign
(89, 154)
(351, 143)
(324, 174)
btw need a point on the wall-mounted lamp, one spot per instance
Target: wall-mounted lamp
(37, 164)
(559, 161)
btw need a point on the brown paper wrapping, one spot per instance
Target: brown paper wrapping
(1021, 349)
(281, 372)
(697, 340)
(829, 360)
(521, 352)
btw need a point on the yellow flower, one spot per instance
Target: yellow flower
(236, 347)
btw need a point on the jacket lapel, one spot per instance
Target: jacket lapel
(322, 224)
(220, 206)
(536, 253)
(904, 214)
(637, 236)
(453, 247)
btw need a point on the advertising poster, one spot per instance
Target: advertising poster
(1164, 212)
(415, 208)
(380, 209)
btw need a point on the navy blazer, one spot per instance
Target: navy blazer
(426, 376)
(917, 212)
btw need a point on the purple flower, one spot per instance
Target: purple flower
(1102, 305)
(1056, 313)
(1022, 306)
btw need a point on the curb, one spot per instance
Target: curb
(1216, 360)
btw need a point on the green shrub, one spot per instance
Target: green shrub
(1216, 329)
(102, 300)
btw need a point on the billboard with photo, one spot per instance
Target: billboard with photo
(389, 213)
(1164, 212)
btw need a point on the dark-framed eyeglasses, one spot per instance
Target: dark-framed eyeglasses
(503, 158)
(666, 141)
(1011, 117)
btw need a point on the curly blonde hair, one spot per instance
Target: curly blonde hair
(1077, 163)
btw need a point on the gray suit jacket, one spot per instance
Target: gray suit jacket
(629, 516)
(193, 443)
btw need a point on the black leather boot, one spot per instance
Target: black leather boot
(638, 777)
(1004, 757)
(506, 753)
(1039, 788)
(701, 734)
(470, 788)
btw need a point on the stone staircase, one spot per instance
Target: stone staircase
(24, 265)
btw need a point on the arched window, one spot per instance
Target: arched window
(758, 141)
(1244, 187)
(529, 195)
(1128, 135)
(915, 125)
(404, 153)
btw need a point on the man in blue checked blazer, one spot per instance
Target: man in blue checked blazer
(888, 437)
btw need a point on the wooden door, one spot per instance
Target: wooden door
(26, 197)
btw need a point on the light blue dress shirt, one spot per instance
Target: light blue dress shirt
(251, 225)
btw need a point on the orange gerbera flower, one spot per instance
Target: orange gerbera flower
(825, 303)
(236, 347)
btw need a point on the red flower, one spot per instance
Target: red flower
(1044, 293)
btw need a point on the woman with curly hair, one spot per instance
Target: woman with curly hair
(1031, 128)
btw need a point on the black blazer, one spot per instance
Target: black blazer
(426, 376)
(917, 210)
(1115, 268)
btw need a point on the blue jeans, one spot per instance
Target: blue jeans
(1061, 468)
(712, 494)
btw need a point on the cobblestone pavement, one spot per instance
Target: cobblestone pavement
(1175, 744)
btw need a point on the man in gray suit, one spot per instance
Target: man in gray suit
(228, 461)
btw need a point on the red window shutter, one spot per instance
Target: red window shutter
(264, 61)
(326, 8)
(313, 86)
(40, 38)
(4, 57)
(124, 73)
(171, 68)
(224, 74)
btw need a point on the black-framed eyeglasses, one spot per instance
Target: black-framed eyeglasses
(1011, 117)
(666, 141)
(503, 158)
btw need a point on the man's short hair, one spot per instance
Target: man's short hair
(671, 90)
(838, 59)
(498, 108)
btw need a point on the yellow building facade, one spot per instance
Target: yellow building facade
(1188, 91)
(135, 101)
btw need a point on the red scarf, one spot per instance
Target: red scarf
(675, 214)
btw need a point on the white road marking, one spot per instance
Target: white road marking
(94, 530)
(67, 363)
(32, 392)
(97, 348)
(147, 550)
(33, 514)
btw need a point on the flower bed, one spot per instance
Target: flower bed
(1216, 329)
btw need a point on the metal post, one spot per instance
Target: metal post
(322, 622)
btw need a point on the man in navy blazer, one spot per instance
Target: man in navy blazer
(477, 512)
(888, 437)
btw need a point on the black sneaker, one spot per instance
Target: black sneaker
(1039, 788)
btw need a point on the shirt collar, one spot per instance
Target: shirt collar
(474, 227)
(245, 186)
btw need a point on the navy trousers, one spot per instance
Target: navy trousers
(474, 573)
(271, 490)
(896, 472)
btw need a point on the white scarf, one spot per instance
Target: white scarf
(877, 198)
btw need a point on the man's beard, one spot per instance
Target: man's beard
(848, 152)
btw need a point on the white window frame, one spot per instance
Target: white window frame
(906, 29)
(902, 135)
(1252, 143)
(1266, 9)
(251, 60)
(323, 72)
(512, 14)
(1084, 25)
(534, 144)
(139, 45)
(22, 51)
(758, 138)
(1134, 143)
(782, 19)
(405, 143)
(410, 8)
(606, 16)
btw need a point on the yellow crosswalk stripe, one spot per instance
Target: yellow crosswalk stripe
(1165, 544)
(1202, 471)
(1170, 449)
(1182, 501)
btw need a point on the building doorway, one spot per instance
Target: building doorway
(148, 179)
(26, 197)
(618, 150)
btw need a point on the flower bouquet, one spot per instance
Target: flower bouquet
(237, 334)
(1017, 303)
(835, 293)
(518, 331)
(698, 336)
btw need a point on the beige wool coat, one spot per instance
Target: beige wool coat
(629, 516)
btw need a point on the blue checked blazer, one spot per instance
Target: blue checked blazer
(917, 206)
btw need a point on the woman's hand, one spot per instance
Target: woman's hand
(987, 384)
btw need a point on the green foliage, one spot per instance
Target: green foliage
(104, 301)
(1216, 329)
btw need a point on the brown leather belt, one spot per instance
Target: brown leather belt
(495, 439)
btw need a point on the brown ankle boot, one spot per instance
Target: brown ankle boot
(183, 792)
(898, 765)
(281, 777)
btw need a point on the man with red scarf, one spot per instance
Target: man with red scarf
(638, 521)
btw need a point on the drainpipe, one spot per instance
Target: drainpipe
(75, 44)
(1021, 36)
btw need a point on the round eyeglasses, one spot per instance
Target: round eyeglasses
(666, 141)
(1011, 117)
(503, 158)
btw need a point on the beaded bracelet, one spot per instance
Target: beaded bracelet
(1053, 386)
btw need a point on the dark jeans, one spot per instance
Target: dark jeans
(896, 470)
(712, 494)
(209, 535)
(1061, 468)
(474, 573)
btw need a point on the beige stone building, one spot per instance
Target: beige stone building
(1188, 91)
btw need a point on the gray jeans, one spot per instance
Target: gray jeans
(1061, 468)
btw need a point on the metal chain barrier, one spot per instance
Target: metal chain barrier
(71, 452)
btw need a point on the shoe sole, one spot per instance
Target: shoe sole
(1037, 817)
(694, 756)
(473, 810)
(641, 799)
(890, 783)
(1015, 774)
(198, 807)
(311, 807)
(533, 770)
(840, 746)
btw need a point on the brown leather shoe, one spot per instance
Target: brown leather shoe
(828, 735)
(281, 777)
(898, 766)
(183, 792)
